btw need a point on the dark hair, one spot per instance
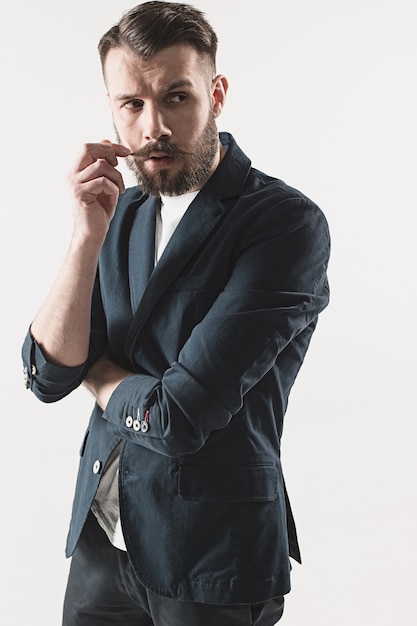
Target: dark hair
(153, 26)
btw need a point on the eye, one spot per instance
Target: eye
(133, 104)
(176, 98)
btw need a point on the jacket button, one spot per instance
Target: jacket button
(129, 421)
(26, 377)
(97, 467)
(136, 425)
(144, 427)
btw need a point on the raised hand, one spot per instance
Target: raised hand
(95, 184)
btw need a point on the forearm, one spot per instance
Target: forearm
(103, 378)
(62, 326)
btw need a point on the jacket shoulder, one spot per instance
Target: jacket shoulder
(273, 187)
(274, 197)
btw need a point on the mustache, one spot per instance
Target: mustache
(169, 149)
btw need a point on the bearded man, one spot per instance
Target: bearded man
(185, 305)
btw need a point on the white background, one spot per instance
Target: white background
(322, 94)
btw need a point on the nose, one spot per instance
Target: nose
(155, 126)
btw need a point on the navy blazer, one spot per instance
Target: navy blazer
(214, 335)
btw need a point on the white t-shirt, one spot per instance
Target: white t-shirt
(105, 505)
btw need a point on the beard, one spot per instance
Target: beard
(192, 175)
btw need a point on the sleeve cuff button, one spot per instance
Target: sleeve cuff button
(136, 425)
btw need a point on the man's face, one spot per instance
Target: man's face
(164, 110)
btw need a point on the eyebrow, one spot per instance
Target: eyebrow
(171, 87)
(178, 84)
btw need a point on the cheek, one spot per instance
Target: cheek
(126, 128)
(123, 121)
(191, 126)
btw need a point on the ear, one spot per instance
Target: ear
(220, 86)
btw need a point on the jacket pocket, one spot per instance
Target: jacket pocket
(254, 483)
(199, 282)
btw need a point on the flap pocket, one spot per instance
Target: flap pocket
(254, 483)
(200, 282)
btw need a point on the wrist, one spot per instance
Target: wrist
(103, 378)
(85, 237)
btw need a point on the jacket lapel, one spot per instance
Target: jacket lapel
(142, 251)
(195, 226)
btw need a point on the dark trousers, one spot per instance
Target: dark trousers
(103, 590)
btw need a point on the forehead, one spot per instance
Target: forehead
(180, 63)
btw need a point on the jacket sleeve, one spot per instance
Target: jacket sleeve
(276, 290)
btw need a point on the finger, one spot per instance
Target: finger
(105, 150)
(116, 148)
(88, 192)
(97, 169)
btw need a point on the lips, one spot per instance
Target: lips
(159, 155)
(158, 160)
